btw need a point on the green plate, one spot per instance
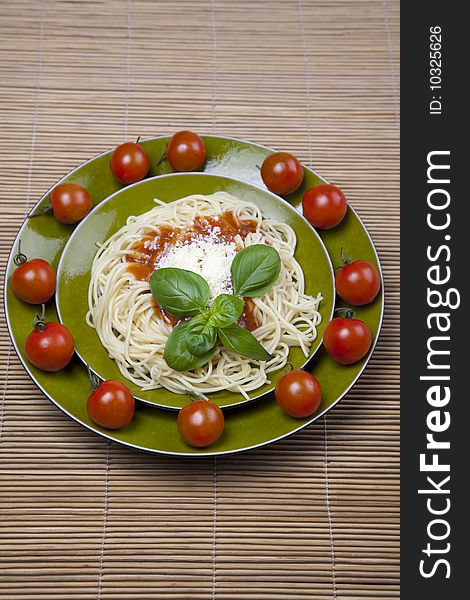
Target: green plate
(74, 270)
(154, 429)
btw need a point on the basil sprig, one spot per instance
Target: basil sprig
(225, 310)
(254, 270)
(201, 334)
(240, 340)
(183, 293)
(178, 356)
(179, 292)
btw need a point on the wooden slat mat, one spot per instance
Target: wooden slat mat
(315, 516)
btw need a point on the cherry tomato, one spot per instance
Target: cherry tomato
(358, 282)
(298, 393)
(34, 281)
(111, 405)
(282, 173)
(347, 340)
(324, 206)
(49, 346)
(186, 151)
(70, 203)
(200, 423)
(129, 162)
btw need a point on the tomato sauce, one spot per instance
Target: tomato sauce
(164, 316)
(146, 252)
(248, 319)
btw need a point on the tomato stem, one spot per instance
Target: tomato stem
(39, 322)
(344, 261)
(20, 258)
(348, 312)
(138, 138)
(44, 210)
(290, 367)
(193, 396)
(162, 157)
(93, 379)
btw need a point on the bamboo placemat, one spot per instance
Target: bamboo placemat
(315, 516)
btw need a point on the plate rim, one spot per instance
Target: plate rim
(166, 452)
(242, 401)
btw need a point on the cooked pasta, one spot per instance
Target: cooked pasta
(134, 330)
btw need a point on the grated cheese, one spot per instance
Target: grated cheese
(207, 256)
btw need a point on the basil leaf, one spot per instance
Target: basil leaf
(177, 355)
(201, 334)
(179, 292)
(255, 270)
(240, 340)
(225, 310)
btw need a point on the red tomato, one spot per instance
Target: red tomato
(358, 282)
(347, 340)
(200, 423)
(298, 394)
(70, 203)
(50, 348)
(282, 173)
(324, 206)
(34, 281)
(111, 405)
(186, 151)
(129, 162)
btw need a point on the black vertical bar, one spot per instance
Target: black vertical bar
(435, 222)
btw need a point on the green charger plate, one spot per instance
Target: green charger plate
(74, 270)
(154, 429)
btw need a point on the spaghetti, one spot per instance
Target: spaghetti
(202, 234)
